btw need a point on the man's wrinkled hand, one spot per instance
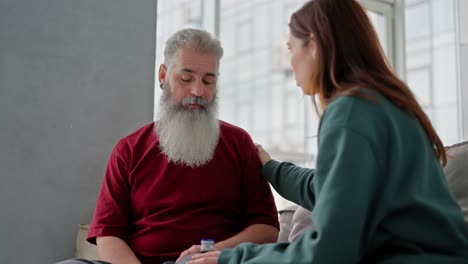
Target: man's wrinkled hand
(191, 250)
(206, 258)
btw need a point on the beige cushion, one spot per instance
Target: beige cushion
(84, 249)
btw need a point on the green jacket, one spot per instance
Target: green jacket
(378, 194)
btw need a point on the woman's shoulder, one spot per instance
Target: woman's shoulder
(356, 111)
(363, 100)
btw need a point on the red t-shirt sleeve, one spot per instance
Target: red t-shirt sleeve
(111, 216)
(258, 199)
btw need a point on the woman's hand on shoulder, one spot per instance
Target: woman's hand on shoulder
(262, 154)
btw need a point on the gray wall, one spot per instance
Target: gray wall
(75, 76)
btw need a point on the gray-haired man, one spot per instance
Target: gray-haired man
(186, 176)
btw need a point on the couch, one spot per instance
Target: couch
(295, 219)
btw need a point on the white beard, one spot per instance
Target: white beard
(187, 136)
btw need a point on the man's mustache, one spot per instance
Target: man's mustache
(194, 100)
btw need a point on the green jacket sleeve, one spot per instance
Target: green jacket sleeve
(345, 185)
(290, 181)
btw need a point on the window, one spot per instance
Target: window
(257, 31)
(431, 63)
(257, 90)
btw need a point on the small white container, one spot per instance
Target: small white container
(206, 245)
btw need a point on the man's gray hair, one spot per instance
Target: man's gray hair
(197, 39)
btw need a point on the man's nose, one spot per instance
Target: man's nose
(197, 88)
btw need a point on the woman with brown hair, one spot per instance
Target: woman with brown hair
(378, 192)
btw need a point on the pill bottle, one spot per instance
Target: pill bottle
(206, 244)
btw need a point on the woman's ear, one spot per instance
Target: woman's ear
(312, 46)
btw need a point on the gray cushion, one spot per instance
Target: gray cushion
(293, 221)
(301, 221)
(456, 171)
(285, 221)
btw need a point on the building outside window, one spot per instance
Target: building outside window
(431, 66)
(257, 90)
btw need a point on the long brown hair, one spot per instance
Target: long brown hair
(349, 56)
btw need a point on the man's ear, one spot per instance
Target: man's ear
(162, 74)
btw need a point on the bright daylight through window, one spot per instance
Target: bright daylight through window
(257, 90)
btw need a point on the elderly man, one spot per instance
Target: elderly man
(186, 176)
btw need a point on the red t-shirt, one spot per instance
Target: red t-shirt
(160, 208)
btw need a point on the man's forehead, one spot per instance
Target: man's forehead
(209, 73)
(189, 58)
(197, 64)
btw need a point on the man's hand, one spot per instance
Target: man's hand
(206, 258)
(191, 250)
(262, 154)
